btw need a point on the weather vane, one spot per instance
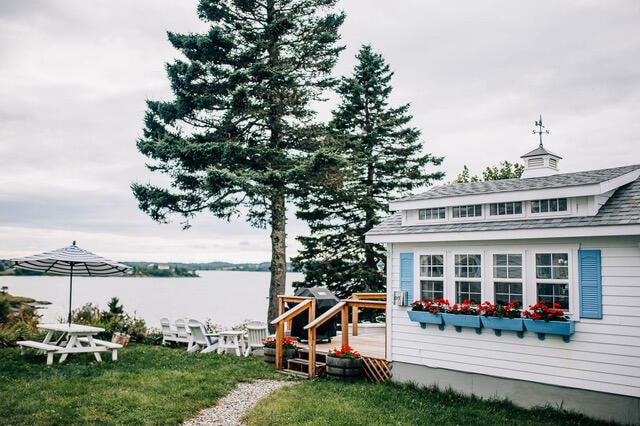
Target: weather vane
(540, 130)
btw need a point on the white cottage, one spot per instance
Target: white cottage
(571, 238)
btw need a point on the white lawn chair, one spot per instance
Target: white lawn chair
(199, 339)
(256, 331)
(169, 335)
(182, 331)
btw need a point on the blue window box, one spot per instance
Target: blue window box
(425, 318)
(459, 321)
(499, 324)
(562, 328)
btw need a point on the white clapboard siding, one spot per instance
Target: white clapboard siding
(601, 356)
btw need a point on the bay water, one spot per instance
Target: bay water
(227, 298)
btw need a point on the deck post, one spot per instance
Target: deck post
(311, 336)
(279, 340)
(345, 325)
(354, 316)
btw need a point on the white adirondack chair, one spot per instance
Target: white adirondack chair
(169, 335)
(199, 339)
(256, 331)
(182, 331)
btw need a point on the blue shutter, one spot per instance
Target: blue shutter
(406, 275)
(590, 280)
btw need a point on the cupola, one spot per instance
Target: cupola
(540, 161)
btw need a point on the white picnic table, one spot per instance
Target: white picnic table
(73, 338)
(231, 339)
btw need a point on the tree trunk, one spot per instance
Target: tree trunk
(278, 266)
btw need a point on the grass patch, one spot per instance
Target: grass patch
(157, 385)
(148, 385)
(328, 402)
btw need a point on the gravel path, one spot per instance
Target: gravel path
(233, 406)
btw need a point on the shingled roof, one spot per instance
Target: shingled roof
(510, 185)
(622, 208)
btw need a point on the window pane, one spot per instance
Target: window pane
(431, 289)
(562, 204)
(508, 292)
(500, 272)
(535, 207)
(543, 273)
(468, 290)
(543, 259)
(493, 209)
(500, 259)
(518, 208)
(554, 293)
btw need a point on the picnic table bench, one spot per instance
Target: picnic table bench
(45, 347)
(111, 346)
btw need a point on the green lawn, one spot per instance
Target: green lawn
(155, 385)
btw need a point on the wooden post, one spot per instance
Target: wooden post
(279, 339)
(311, 336)
(354, 318)
(345, 324)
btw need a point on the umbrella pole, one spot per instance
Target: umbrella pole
(70, 291)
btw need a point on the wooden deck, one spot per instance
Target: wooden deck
(370, 341)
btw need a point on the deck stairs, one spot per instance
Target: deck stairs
(300, 366)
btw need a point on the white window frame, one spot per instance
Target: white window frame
(492, 278)
(428, 277)
(529, 281)
(523, 209)
(431, 219)
(456, 278)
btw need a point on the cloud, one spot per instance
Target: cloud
(75, 76)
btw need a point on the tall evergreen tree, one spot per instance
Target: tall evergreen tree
(239, 132)
(381, 159)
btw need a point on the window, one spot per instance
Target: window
(551, 205)
(431, 214)
(468, 266)
(503, 209)
(507, 275)
(432, 267)
(468, 211)
(552, 278)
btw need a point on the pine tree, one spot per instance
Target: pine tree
(381, 159)
(234, 140)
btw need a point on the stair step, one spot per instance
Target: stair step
(302, 361)
(296, 373)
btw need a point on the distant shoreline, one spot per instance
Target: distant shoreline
(158, 269)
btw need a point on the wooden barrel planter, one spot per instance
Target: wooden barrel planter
(270, 355)
(344, 368)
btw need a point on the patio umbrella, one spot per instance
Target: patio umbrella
(71, 261)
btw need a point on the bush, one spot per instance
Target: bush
(18, 319)
(115, 320)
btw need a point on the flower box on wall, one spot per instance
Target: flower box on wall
(498, 324)
(562, 328)
(425, 318)
(459, 321)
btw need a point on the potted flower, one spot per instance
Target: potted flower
(344, 362)
(427, 312)
(289, 349)
(543, 319)
(500, 317)
(465, 314)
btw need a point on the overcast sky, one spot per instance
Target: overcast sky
(75, 74)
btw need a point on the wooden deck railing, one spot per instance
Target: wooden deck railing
(304, 303)
(356, 301)
(354, 310)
